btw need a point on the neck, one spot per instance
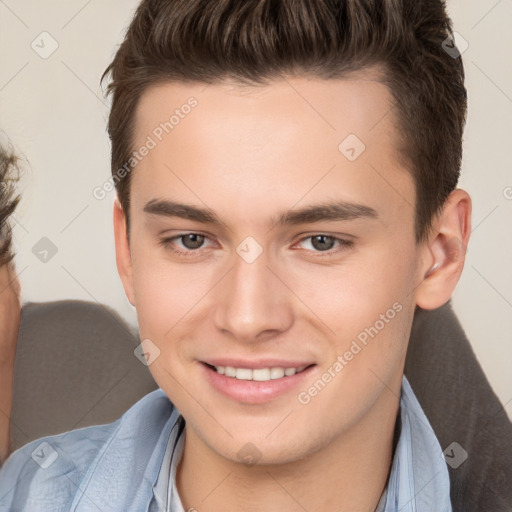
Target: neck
(348, 474)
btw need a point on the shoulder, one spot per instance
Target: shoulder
(46, 474)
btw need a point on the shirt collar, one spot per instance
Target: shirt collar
(419, 479)
(166, 496)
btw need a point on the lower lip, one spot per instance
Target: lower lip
(252, 391)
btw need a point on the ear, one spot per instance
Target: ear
(444, 252)
(123, 255)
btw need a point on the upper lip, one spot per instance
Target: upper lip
(256, 364)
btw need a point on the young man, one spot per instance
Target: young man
(9, 296)
(286, 176)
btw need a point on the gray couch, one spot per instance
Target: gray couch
(75, 367)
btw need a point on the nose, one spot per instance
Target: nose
(253, 302)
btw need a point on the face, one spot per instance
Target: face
(272, 237)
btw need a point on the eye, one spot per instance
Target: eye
(327, 244)
(191, 243)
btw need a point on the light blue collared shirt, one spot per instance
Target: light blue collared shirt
(130, 465)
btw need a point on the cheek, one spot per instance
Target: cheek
(348, 297)
(366, 312)
(168, 296)
(157, 290)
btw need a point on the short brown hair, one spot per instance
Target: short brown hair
(253, 41)
(8, 201)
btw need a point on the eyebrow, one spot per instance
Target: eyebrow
(326, 211)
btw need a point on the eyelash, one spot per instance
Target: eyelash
(190, 253)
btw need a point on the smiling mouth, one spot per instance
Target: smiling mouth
(257, 374)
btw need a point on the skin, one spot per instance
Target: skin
(10, 311)
(250, 154)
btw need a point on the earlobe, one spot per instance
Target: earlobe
(445, 251)
(123, 255)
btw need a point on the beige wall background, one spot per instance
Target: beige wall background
(54, 112)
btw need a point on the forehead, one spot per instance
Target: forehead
(358, 102)
(292, 138)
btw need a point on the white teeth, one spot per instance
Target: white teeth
(243, 374)
(230, 371)
(276, 373)
(259, 374)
